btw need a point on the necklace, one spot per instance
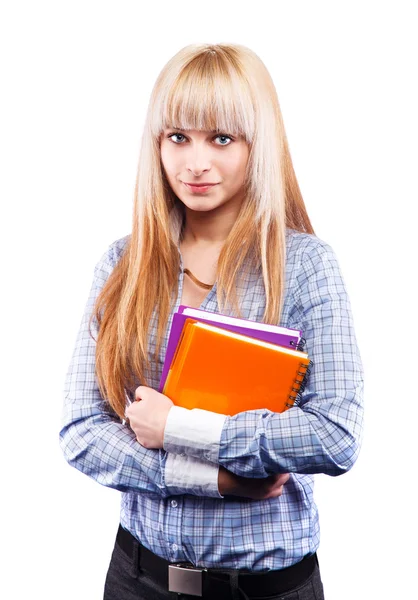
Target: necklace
(205, 286)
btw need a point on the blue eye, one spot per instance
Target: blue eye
(175, 134)
(224, 136)
(217, 136)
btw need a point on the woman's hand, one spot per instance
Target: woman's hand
(148, 415)
(230, 484)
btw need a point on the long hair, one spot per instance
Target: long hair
(218, 87)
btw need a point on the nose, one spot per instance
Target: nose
(198, 160)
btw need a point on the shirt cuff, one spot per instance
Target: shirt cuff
(187, 475)
(194, 432)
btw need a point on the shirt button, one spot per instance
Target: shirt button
(174, 547)
(174, 503)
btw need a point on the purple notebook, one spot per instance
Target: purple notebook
(282, 336)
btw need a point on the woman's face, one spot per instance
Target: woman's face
(204, 157)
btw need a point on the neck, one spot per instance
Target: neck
(209, 227)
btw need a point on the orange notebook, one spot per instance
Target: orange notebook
(225, 372)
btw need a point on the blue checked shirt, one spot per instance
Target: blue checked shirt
(170, 499)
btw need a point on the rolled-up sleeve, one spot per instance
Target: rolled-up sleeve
(96, 442)
(323, 434)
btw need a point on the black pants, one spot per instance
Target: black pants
(126, 581)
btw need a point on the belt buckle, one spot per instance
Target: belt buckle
(185, 579)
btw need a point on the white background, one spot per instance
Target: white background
(76, 79)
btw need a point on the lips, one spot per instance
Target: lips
(199, 188)
(202, 184)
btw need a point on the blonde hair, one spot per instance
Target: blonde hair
(219, 87)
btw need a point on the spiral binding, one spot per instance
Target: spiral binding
(300, 345)
(295, 399)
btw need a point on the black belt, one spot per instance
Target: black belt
(185, 578)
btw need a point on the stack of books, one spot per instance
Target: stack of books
(229, 365)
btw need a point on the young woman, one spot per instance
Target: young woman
(219, 223)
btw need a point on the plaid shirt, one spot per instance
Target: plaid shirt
(170, 499)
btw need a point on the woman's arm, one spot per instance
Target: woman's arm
(323, 435)
(97, 443)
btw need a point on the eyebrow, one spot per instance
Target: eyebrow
(180, 129)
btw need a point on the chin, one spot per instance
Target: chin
(200, 205)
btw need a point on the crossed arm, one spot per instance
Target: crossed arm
(169, 450)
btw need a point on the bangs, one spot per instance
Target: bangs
(209, 94)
